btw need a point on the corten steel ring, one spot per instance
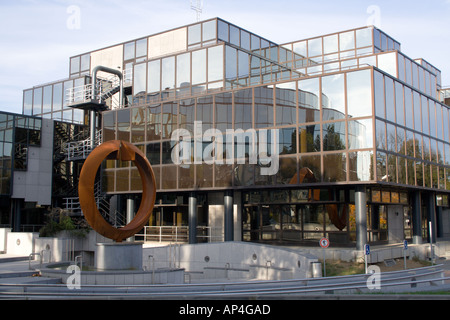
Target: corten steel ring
(124, 151)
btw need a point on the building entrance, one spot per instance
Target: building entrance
(294, 222)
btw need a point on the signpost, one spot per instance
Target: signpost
(367, 253)
(405, 247)
(324, 243)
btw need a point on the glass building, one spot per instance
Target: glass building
(342, 135)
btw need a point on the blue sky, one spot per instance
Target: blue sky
(36, 42)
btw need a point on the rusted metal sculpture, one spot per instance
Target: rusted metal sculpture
(119, 150)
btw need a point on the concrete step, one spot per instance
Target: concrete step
(29, 280)
(4, 258)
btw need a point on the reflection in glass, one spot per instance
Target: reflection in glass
(28, 102)
(194, 34)
(379, 95)
(209, 30)
(215, 64)
(360, 134)
(359, 93)
(57, 96)
(360, 166)
(263, 107)
(400, 112)
(168, 73)
(199, 67)
(409, 110)
(139, 73)
(309, 138)
(129, 51)
(223, 31)
(154, 122)
(390, 99)
(141, 48)
(286, 104)
(154, 76)
(243, 109)
(330, 44)
(37, 101)
(310, 164)
(333, 88)
(183, 70)
(335, 167)
(364, 37)
(334, 136)
(308, 100)
(75, 65)
(231, 63)
(315, 47)
(347, 41)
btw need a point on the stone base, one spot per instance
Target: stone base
(118, 256)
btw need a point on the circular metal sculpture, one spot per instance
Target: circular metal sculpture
(119, 150)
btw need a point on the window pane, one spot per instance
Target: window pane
(334, 136)
(417, 112)
(28, 102)
(333, 97)
(360, 134)
(263, 107)
(243, 109)
(388, 63)
(335, 167)
(364, 37)
(360, 166)
(85, 62)
(315, 47)
(330, 44)
(154, 76)
(75, 65)
(154, 122)
(400, 111)
(215, 64)
(390, 99)
(37, 101)
(231, 63)
(379, 95)
(308, 100)
(141, 48)
(183, 70)
(209, 30)
(309, 138)
(139, 79)
(194, 34)
(347, 41)
(409, 110)
(168, 73)
(425, 116)
(57, 97)
(359, 93)
(129, 51)
(286, 102)
(47, 101)
(199, 67)
(223, 31)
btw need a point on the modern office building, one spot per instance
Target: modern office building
(341, 135)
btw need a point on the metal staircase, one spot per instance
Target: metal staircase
(115, 218)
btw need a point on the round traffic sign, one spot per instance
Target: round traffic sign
(324, 243)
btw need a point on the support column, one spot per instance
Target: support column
(416, 204)
(229, 217)
(93, 127)
(361, 217)
(192, 218)
(130, 214)
(431, 214)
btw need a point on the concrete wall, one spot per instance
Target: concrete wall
(35, 184)
(239, 260)
(395, 223)
(21, 243)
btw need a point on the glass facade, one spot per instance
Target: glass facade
(292, 128)
(17, 134)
